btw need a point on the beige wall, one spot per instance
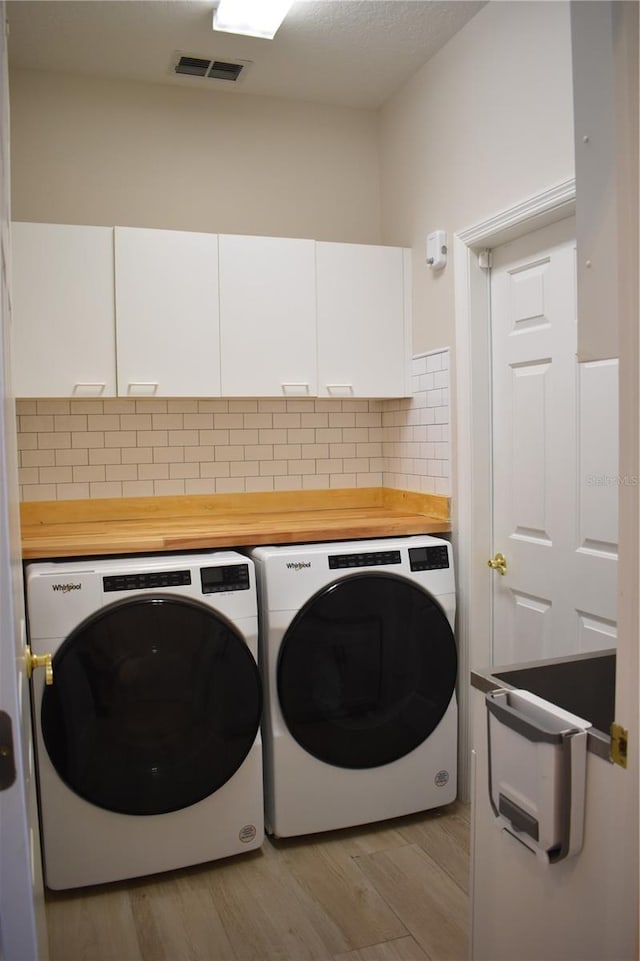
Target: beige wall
(485, 124)
(105, 152)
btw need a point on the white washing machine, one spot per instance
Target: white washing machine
(148, 743)
(359, 667)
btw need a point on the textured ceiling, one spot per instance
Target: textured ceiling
(351, 52)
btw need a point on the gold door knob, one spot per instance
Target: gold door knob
(499, 563)
(38, 660)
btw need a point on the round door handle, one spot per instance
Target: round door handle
(498, 563)
(38, 660)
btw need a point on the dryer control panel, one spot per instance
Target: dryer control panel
(429, 558)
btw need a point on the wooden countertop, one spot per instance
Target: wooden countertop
(149, 524)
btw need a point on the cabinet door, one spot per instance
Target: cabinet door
(167, 315)
(363, 320)
(63, 332)
(267, 316)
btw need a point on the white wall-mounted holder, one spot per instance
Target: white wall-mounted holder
(437, 249)
(537, 772)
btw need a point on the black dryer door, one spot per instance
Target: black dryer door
(366, 670)
(155, 704)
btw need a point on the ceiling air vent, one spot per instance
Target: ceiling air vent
(209, 68)
(225, 71)
(193, 66)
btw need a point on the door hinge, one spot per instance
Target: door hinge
(7, 761)
(619, 744)
(485, 259)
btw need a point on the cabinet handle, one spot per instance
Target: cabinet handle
(339, 388)
(296, 390)
(142, 388)
(89, 390)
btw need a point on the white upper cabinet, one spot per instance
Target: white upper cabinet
(63, 339)
(139, 312)
(167, 313)
(363, 320)
(267, 317)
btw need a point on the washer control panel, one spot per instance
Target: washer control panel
(429, 558)
(373, 559)
(227, 577)
(231, 577)
(145, 582)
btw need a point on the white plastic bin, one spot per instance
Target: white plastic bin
(537, 772)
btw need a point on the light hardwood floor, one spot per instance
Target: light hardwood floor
(392, 891)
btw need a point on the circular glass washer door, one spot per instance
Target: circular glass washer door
(366, 670)
(155, 704)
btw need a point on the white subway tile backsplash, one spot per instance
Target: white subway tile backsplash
(286, 420)
(121, 438)
(107, 489)
(178, 438)
(200, 453)
(102, 455)
(28, 425)
(229, 453)
(167, 455)
(274, 468)
(289, 483)
(132, 489)
(154, 438)
(53, 406)
(315, 482)
(168, 487)
(69, 422)
(209, 469)
(172, 421)
(201, 421)
(134, 455)
(255, 485)
(86, 439)
(183, 471)
(49, 441)
(121, 472)
(39, 492)
(72, 492)
(38, 458)
(230, 485)
(245, 468)
(152, 472)
(89, 474)
(28, 475)
(123, 447)
(98, 422)
(243, 437)
(213, 406)
(172, 406)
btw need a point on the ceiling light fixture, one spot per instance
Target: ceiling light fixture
(252, 18)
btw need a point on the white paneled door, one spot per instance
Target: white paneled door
(555, 459)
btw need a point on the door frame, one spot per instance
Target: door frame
(472, 513)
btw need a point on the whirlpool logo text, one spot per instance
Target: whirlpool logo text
(298, 565)
(65, 588)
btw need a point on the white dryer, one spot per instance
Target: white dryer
(359, 667)
(148, 744)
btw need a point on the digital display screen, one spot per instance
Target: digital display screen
(212, 575)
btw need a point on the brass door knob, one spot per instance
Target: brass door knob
(498, 563)
(38, 660)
